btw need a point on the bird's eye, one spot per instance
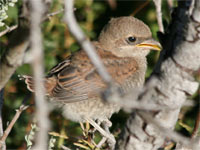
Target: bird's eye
(131, 39)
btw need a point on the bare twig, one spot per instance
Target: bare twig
(9, 29)
(10, 126)
(15, 118)
(55, 13)
(112, 4)
(158, 5)
(140, 8)
(37, 64)
(86, 44)
(48, 16)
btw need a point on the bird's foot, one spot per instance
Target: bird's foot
(106, 125)
(107, 136)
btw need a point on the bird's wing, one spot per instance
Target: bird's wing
(78, 80)
(60, 66)
(50, 80)
(77, 83)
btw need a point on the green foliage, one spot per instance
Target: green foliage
(6, 5)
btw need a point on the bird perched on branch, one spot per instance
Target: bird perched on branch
(75, 83)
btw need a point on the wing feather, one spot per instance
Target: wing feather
(77, 79)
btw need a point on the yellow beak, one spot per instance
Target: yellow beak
(151, 44)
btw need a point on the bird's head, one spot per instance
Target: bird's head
(127, 37)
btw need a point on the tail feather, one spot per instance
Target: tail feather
(49, 83)
(29, 82)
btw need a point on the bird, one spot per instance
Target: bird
(75, 84)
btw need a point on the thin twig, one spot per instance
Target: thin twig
(55, 13)
(38, 69)
(112, 4)
(48, 16)
(10, 126)
(158, 5)
(9, 29)
(86, 44)
(140, 8)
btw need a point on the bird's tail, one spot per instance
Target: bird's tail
(28, 80)
(49, 83)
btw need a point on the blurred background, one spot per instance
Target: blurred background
(58, 43)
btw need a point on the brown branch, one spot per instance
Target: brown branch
(112, 4)
(10, 126)
(140, 8)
